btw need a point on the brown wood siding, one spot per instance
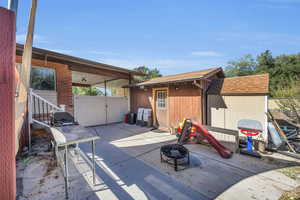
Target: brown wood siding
(140, 99)
(185, 102)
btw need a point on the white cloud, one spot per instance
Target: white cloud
(206, 53)
(38, 39)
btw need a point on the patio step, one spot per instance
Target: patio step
(40, 132)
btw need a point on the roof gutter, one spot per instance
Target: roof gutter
(72, 59)
(168, 82)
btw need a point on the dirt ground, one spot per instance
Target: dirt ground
(291, 195)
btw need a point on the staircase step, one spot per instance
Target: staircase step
(40, 132)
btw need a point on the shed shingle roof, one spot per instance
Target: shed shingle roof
(189, 76)
(254, 84)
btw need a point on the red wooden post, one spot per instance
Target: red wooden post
(7, 106)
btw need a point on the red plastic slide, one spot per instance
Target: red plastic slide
(223, 151)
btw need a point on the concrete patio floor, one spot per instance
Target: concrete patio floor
(128, 167)
(128, 163)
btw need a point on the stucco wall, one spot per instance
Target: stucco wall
(226, 111)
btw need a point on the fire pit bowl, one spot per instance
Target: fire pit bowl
(175, 154)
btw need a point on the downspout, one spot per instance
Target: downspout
(197, 84)
(129, 94)
(201, 93)
(203, 88)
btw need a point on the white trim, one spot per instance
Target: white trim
(41, 123)
(30, 106)
(47, 102)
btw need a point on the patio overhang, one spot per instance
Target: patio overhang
(81, 65)
(84, 79)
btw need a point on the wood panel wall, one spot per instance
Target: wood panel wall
(140, 98)
(185, 102)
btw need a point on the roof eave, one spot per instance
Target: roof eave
(169, 82)
(206, 76)
(74, 59)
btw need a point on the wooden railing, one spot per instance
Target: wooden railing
(40, 110)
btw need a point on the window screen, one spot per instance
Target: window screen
(161, 99)
(42, 78)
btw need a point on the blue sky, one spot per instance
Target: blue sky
(173, 35)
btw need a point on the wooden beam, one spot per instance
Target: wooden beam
(94, 70)
(21, 99)
(81, 85)
(106, 81)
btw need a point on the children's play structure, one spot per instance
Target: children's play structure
(189, 129)
(250, 128)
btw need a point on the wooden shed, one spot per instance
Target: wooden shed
(235, 98)
(174, 97)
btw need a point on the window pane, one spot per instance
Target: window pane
(161, 99)
(42, 78)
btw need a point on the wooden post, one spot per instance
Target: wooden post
(106, 106)
(282, 134)
(7, 105)
(21, 99)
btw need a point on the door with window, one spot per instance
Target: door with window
(161, 108)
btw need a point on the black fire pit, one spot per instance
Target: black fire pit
(175, 154)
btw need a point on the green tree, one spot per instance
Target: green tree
(86, 91)
(289, 101)
(242, 67)
(287, 70)
(283, 69)
(265, 62)
(149, 73)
